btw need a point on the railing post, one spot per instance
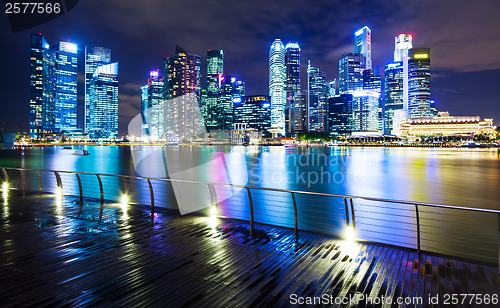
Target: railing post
(295, 214)
(59, 182)
(100, 187)
(40, 183)
(353, 216)
(250, 202)
(152, 201)
(417, 216)
(23, 180)
(124, 185)
(80, 188)
(346, 213)
(5, 175)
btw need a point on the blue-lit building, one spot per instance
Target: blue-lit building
(66, 87)
(211, 106)
(95, 56)
(299, 112)
(103, 113)
(340, 114)
(277, 85)
(53, 87)
(182, 80)
(317, 99)
(365, 110)
(231, 91)
(419, 82)
(292, 65)
(363, 45)
(351, 67)
(254, 110)
(393, 94)
(152, 107)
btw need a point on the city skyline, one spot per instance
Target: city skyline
(453, 85)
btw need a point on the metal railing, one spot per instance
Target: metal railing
(470, 233)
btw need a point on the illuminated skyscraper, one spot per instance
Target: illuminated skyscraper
(363, 45)
(299, 105)
(103, 112)
(152, 106)
(182, 76)
(66, 87)
(351, 67)
(419, 82)
(211, 106)
(53, 87)
(317, 99)
(393, 98)
(231, 91)
(402, 43)
(254, 111)
(95, 56)
(365, 110)
(42, 87)
(292, 63)
(340, 114)
(277, 85)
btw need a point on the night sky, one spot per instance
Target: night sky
(464, 37)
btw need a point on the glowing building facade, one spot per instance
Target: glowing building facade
(317, 98)
(95, 56)
(152, 107)
(292, 63)
(393, 94)
(419, 82)
(351, 67)
(212, 104)
(363, 45)
(103, 113)
(254, 111)
(277, 85)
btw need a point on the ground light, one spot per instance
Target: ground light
(348, 246)
(5, 186)
(124, 202)
(349, 234)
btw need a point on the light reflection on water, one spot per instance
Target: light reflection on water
(462, 177)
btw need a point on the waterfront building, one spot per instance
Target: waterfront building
(292, 66)
(446, 126)
(340, 114)
(365, 110)
(254, 110)
(103, 113)
(351, 67)
(300, 110)
(95, 56)
(53, 87)
(182, 92)
(393, 90)
(363, 45)
(244, 135)
(65, 102)
(212, 104)
(419, 82)
(402, 43)
(277, 85)
(42, 86)
(231, 91)
(317, 99)
(152, 107)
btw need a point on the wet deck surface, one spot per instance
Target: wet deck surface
(55, 253)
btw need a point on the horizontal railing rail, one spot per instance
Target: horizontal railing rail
(472, 233)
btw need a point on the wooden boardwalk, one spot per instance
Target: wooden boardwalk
(59, 254)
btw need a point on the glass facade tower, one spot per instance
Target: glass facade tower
(103, 113)
(318, 91)
(66, 87)
(363, 45)
(152, 106)
(419, 82)
(393, 94)
(277, 85)
(211, 105)
(292, 63)
(95, 56)
(351, 67)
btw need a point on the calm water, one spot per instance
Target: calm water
(462, 177)
(466, 177)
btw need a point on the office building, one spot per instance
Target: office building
(299, 112)
(152, 107)
(393, 93)
(332, 88)
(277, 85)
(365, 110)
(292, 64)
(340, 114)
(351, 67)
(103, 113)
(53, 87)
(212, 107)
(419, 82)
(182, 91)
(95, 56)
(254, 110)
(65, 102)
(402, 43)
(231, 91)
(317, 99)
(363, 45)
